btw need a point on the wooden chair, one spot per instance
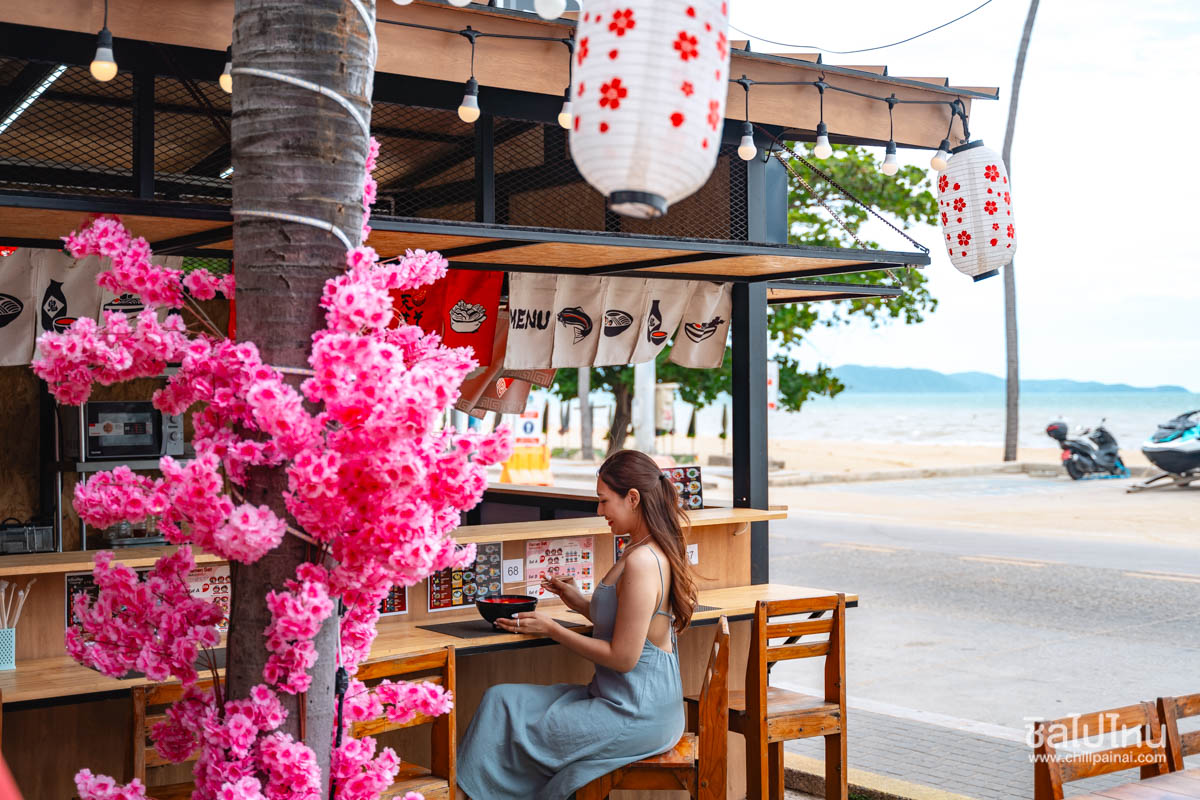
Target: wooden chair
(1179, 746)
(437, 781)
(1051, 770)
(768, 716)
(697, 763)
(147, 704)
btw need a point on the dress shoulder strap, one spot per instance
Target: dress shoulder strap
(662, 586)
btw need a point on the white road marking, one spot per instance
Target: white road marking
(1014, 562)
(1165, 576)
(874, 548)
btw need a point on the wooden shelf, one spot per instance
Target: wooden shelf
(591, 526)
(60, 676)
(81, 560)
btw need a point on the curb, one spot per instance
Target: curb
(805, 774)
(1038, 469)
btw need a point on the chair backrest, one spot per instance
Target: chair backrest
(712, 729)
(1051, 770)
(435, 666)
(1179, 746)
(149, 704)
(832, 647)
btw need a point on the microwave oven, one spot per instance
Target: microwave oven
(120, 430)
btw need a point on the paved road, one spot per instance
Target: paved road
(992, 625)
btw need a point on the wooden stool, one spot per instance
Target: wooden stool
(768, 716)
(1051, 770)
(697, 763)
(145, 755)
(438, 781)
(1179, 746)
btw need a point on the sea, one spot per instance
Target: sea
(968, 418)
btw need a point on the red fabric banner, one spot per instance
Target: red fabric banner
(421, 307)
(470, 305)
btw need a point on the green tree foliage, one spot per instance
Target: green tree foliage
(905, 198)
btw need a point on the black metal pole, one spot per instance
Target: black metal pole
(749, 326)
(143, 134)
(485, 169)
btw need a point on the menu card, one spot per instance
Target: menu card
(211, 582)
(688, 486)
(456, 588)
(396, 602)
(572, 556)
(620, 542)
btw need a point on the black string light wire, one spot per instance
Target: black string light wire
(822, 148)
(890, 166)
(746, 148)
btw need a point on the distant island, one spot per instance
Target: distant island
(891, 380)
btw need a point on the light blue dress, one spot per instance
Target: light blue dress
(529, 742)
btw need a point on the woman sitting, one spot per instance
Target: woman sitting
(544, 742)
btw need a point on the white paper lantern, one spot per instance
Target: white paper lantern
(649, 94)
(975, 202)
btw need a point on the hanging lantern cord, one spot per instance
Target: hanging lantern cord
(891, 101)
(570, 43)
(821, 85)
(958, 109)
(472, 34)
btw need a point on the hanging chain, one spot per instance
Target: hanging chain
(845, 192)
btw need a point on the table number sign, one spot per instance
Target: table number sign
(566, 557)
(456, 588)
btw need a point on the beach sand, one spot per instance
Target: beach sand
(847, 457)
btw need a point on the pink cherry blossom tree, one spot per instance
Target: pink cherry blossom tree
(335, 473)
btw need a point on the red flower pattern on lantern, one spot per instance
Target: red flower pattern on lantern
(612, 93)
(991, 207)
(1007, 198)
(685, 43)
(622, 21)
(691, 11)
(959, 204)
(1011, 231)
(995, 226)
(583, 51)
(604, 127)
(687, 89)
(677, 119)
(714, 115)
(991, 172)
(943, 181)
(945, 219)
(582, 88)
(964, 238)
(614, 53)
(994, 241)
(722, 45)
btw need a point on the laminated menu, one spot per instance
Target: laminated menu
(395, 602)
(688, 486)
(456, 588)
(211, 582)
(573, 556)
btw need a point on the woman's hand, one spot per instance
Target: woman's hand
(533, 623)
(566, 590)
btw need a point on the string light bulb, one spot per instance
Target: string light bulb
(746, 148)
(226, 79)
(468, 109)
(822, 149)
(941, 159)
(401, 2)
(549, 9)
(565, 115)
(104, 65)
(460, 3)
(890, 165)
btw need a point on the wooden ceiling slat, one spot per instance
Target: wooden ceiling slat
(575, 256)
(52, 224)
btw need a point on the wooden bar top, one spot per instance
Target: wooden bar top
(81, 561)
(60, 676)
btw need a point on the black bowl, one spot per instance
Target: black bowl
(491, 610)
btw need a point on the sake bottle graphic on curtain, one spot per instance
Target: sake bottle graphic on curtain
(654, 331)
(54, 305)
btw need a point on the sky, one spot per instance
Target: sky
(1104, 168)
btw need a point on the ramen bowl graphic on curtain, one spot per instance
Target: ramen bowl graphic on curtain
(649, 90)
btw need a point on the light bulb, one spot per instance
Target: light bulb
(565, 117)
(460, 3)
(941, 159)
(746, 148)
(890, 166)
(401, 2)
(468, 109)
(104, 66)
(226, 79)
(822, 149)
(549, 9)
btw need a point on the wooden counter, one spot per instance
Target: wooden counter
(595, 526)
(81, 560)
(60, 676)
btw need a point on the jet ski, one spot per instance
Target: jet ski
(1175, 449)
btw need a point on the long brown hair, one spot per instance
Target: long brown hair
(664, 519)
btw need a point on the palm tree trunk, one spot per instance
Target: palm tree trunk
(293, 151)
(1013, 375)
(622, 415)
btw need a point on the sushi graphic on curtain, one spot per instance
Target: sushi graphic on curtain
(18, 311)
